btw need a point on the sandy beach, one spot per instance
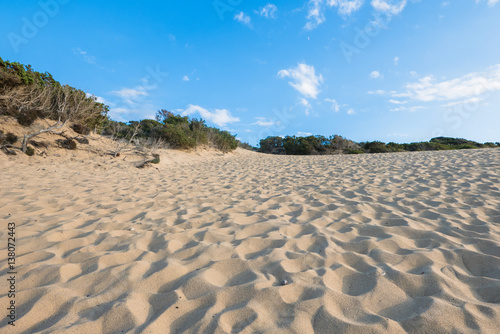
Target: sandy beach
(252, 243)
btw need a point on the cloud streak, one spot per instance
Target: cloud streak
(428, 89)
(220, 117)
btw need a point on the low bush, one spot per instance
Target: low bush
(354, 151)
(30, 151)
(68, 144)
(39, 144)
(81, 129)
(11, 138)
(27, 117)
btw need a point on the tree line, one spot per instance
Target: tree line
(321, 145)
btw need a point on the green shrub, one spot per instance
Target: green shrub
(223, 140)
(467, 146)
(246, 146)
(30, 151)
(178, 137)
(156, 159)
(354, 151)
(11, 138)
(81, 129)
(376, 147)
(68, 144)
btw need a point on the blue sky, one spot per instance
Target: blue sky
(365, 69)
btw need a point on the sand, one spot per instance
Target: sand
(203, 243)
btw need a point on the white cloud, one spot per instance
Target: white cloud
(220, 117)
(186, 78)
(129, 95)
(397, 102)
(410, 109)
(335, 105)
(491, 3)
(377, 92)
(396, 61)
(315, 14)
(262, 121)
(346, 7)
(305, 103)
(305, 80)
(316, 9)
(351, 112)
(268, 11)
(124, 114)
(244, 19)
(393, 7)
(304, 134)
(428, 89)
(375, 75)
(472, 100)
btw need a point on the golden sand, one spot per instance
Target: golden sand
(204, 242)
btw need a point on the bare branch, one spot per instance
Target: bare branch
(50, 129)
(120, 146)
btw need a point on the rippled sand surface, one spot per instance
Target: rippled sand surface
(366, 244)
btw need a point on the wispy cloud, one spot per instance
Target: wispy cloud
(377, 92)
(335, 105)
(304, 79)
(84, 54)
(316, 10)
(185, 78)
(428, 89)
(243, 19)
(397, 102)
(490, 3)
(130, 95)
(220, 117)
(410, 109)
(304, 134)
(346, 7)
(262, 121)
(269, 11)
(375, 75)
(393, 7)
(472, 100)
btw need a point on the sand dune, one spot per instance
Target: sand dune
(202, 243)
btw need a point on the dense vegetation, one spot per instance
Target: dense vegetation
(27, 95)
(312, 145)
(174, 130)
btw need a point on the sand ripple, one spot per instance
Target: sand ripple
(373, 243)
